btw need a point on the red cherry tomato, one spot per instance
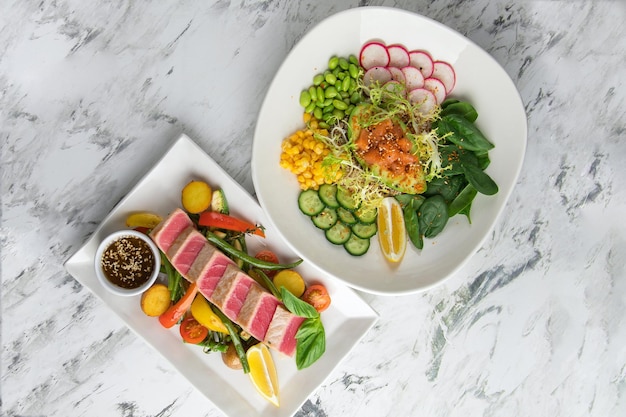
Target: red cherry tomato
(192, 331)
(269, 256)
(317, 296)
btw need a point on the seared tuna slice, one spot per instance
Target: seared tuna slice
(281, 333)
(200, 263)
(231, 291)
(185, 249)
(211, 272)
(257, 311)
(168, 230)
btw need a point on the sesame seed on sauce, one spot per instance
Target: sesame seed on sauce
(128, 262)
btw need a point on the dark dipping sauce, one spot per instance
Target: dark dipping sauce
(128, 262)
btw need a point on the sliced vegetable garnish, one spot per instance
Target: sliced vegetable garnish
(227, 222)
(178, 310)
(193, 332)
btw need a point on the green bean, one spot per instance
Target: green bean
(229, 249)
(305, 98)
(234, 335)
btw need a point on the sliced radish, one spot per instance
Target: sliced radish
(422, 61)
(435, 86)
(413, 78)
(396, 87)
(424, 98)
(380, 74)
(398, 56)
(374, 54)
(444, 72)
(397, 74)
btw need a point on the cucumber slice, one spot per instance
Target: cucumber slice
(345, 199)
(328, 195)
(326, 219)
(366, 215)
(338, 234)
(310, 203)
(357, 246)
(364, 231)
(346, 216)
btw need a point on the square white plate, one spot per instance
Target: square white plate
(346, 321)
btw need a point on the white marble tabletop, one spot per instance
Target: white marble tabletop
(92, 93)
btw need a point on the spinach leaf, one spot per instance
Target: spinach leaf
(461, 108)
(480, 180)
(463, 200)
(433, 216)
(483, 160)
(297, 306)
(405, 199)
(411, 221)
(455, 157)
(447, 187)
(466, 212)
(448, 102)
(311, 342)
(463, 133)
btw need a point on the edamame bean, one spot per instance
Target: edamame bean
(345, 84)
(339, 114)
(355, 97)
(305, 98)
(330, 92)
(328, 109)
(353, 70)
(333, 62)
(313, 93)
(323, 125)
(320, 93)
(339, 104)
(318, 113)
(343, 63)
(328, 102)
(310, 107)
(317, 80)
(353, 59)
(330, 78)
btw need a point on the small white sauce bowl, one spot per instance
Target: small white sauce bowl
(111, 287)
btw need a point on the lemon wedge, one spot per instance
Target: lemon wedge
(263, 373)
(391, 229)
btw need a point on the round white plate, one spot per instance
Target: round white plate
(480, 80)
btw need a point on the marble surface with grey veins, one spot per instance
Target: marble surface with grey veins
(92, 93)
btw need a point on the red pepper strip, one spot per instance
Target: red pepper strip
(175, 312)
(224, 221)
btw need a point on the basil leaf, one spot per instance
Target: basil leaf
(297, 306)
(463, 200)
(311, 342)
(463, 133)
(433, 216)
(480, 180)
